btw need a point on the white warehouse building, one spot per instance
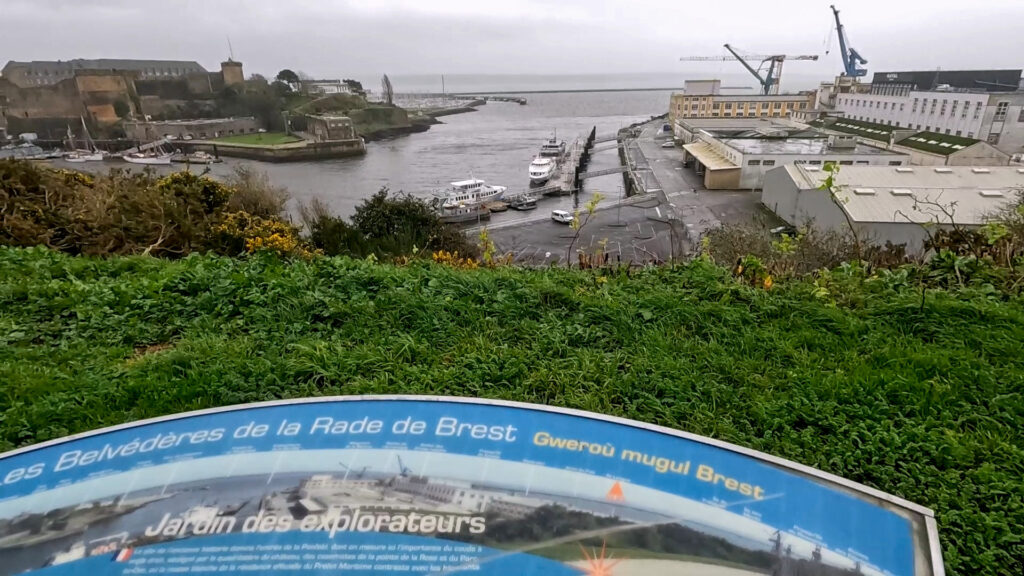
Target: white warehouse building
(740, 163)
(901, 205)
(987, 105)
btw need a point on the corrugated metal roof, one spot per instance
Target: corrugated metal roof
(917, 194)
(709, 157)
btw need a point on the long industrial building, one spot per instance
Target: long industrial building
(704, 99)
(986, 105)
(901, 205)
(735, 154)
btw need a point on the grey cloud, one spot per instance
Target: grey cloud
(354, 38)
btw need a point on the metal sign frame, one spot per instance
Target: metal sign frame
(934, 552)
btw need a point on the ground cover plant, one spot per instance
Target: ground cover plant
(917, 392)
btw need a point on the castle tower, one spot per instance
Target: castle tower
(232, 73)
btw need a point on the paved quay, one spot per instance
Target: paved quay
(663, 223)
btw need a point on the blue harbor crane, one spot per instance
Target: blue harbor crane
(851, 58)
(767, 74)
(402, 470)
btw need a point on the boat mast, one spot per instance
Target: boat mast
(89, 144)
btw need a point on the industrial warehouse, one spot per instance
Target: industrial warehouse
(899, 205)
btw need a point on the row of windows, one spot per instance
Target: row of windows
(891, 90)
(922, 104)
(144, 71)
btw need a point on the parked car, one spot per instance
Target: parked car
(561, 216)
(669, 144)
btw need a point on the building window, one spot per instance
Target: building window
(1021, 117)
(918, 127)
(993, 138)
(895, 163)
(932, 109)
(1001, 111)
(814, 162)
(958, 132)
(862, 162)
(970, 134)
(927, 128)
(952, 111)
(846, 162)
(947, 130)
(753, 162)
(914, 107)
(769, 162)
(901, 107)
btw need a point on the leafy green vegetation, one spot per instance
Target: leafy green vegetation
(260, 139)
(917, 393)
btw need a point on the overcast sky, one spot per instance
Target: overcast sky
(363, 38)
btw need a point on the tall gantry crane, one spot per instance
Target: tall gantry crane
(768, 73)
(851, 58)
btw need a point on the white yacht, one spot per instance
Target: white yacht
(542, 169)
(148, 158)
(468, 193)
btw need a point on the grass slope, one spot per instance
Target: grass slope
(924, 402)
(260, 139)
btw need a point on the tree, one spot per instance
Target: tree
(281, 88)
(257, 78)
(287, 76)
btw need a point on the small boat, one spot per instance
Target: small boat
(198, 157)
(464, 214)
(471, 192)
(148, 158)
(523, 204)
(542, 169)
(84, 156)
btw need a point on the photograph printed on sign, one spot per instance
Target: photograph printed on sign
(372, 487)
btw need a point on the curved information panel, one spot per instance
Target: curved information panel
(415, 485)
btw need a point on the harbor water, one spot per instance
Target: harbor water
(496, 143)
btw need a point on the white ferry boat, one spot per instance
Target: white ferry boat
(468, 193)
(542, 169)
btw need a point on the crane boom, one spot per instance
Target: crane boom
(761, 57)
(766, 83)
(770, 80)
(851, 58)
